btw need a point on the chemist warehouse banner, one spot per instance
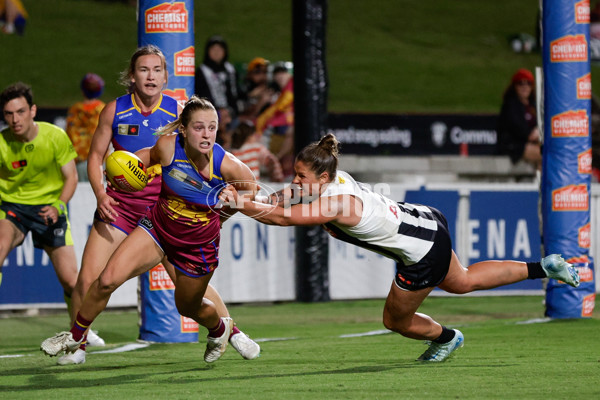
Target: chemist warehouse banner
(567, 152)
(170, 26)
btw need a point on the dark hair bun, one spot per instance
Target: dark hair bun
(330, 144)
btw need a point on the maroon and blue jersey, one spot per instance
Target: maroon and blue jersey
(184, 221)
(132, 131)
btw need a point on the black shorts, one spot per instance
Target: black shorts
(27, 219)
(433, 268)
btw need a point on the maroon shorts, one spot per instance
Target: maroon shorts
(192, 259)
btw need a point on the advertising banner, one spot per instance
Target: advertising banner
(159, 323)
(257, 260)
(567, 150)
(399, 134)
(170, 26)
(28, 264)
(505, 226)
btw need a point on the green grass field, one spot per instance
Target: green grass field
(392, 56)
(502, 358)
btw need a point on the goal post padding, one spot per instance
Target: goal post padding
(566, 158)
(170, 26)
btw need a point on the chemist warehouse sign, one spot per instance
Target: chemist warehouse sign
(170, 26)
(167, 18)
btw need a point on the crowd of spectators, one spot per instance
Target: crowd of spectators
(256, 112)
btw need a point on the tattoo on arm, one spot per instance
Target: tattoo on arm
(277, 198)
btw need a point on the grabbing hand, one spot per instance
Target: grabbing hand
(105, 208)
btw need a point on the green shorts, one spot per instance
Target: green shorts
(27, 219)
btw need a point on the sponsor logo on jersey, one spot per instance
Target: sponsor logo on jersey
(584, 87)
(570, 124)
(129, 114)
(200, 185)
(185, 62)
(571, 198)
(168, 17)
(582, 12)
(146, 223)
(19, 164)
(569, 48)
(129, 130)
(584, 162)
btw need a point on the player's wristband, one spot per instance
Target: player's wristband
(60, 206)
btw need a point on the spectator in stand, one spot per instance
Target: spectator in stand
(216, 78)
(247, 147)
(256, 94)
(279, 117)
(224, 132)
(13, 16)
(82, 120)
(518, 134)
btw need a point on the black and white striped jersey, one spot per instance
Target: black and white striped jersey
(402, 231)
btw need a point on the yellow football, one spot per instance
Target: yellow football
(126, 171)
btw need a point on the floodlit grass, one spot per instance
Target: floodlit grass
(386, 56)
(501, 358)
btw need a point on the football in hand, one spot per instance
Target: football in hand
(125, 171)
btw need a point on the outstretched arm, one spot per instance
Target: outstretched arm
(239, 177)
(342, 209)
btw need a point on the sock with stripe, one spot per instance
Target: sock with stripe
(218, 330)
(79, 327)
(83, 343)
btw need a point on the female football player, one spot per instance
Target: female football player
(415, 236)
(130, 123)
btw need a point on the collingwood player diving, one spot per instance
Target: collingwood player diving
(415, 236)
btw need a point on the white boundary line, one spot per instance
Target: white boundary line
(137, 346)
